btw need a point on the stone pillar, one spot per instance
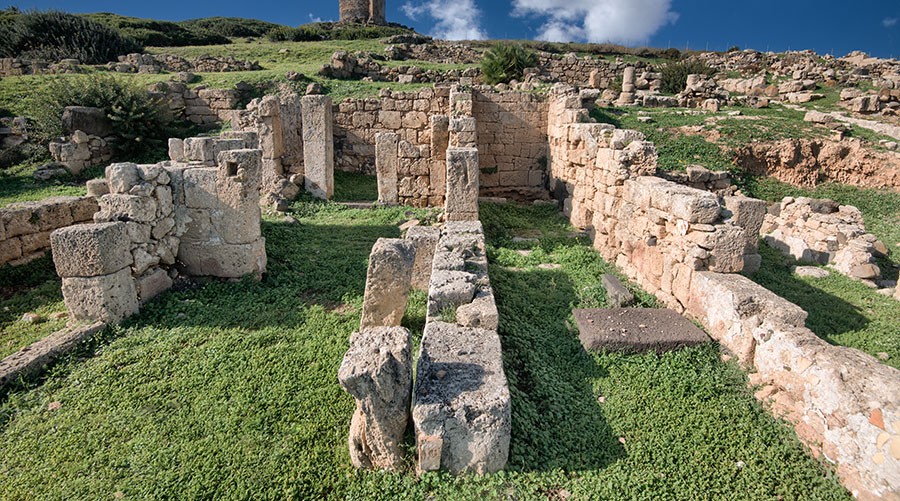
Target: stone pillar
(627, 95)
(94, 261)
(318, 146)
(463, 133)
(377, 12)
(440, 141)
(462, 185)
(386, 166)
(424, 239)
(271, 141)
(377, 371)
(354, 11)
(387, 283)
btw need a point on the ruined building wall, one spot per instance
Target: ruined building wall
(362, 11)
(686, 247)
(25, 227)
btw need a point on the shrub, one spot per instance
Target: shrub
(229, 26)
(149, 32)
(335, 31)
(139, 122)
(674, 75)
(503, 63)
(54, 35)
(671, 54)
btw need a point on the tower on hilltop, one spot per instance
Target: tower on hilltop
(363, 11)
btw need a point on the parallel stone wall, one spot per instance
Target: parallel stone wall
(685, 246)
(25, 227)
(201, 106)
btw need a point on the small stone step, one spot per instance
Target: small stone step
(636, 330)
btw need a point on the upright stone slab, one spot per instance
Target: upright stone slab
(440, 141)
(424, 239)
(461, 404)
(377, 371)
(387, 283)
(91, 250)
(106, 298)
(386, 166)
(318, 146)
(462, 184)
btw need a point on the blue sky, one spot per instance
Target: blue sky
(826, 26)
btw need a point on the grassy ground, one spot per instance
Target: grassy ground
(17, 184)
(228, 390)
(353, 187)
(31, 288)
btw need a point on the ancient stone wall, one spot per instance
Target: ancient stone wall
(25, 227)
(14, 66)
(685, 247)
(80, 151)
(199, 105)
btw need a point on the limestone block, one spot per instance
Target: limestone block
(90, 250)
(318, 146)
(10, 249)
(450, 289)
(440, 136)
(377, 371)
(618, 296)
(237, 217)
(107, 298)
(199, 185)
(176, 149)
(216, 259)
(695, 206)
(97, 187)
(481, 312)
(749, 214)
(83, 209)
(462, 182)
(386, 166)
(387, 283)
(153, 284)
(461, 404)
(424, 239)
(727, 253)
(200, 149)
(129, 207)
(122, 177)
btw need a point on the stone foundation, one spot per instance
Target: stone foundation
(25, 227)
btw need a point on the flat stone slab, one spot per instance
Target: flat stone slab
(636, 330)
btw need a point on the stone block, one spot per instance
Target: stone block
(89, 120)
(216, 259)
(237, 217)
(200, 149)
(377, 371)
(90, 250)
(450, 289)
(617, 295)
(97, 187)
(462, 183)
(199, 187)
(122, 177)
(727, 252)
(461, 403)
(10, 250)
(153, 284)
(318, 146)
(424, 239)
(126, 207)
(107, 298)
(388, 281)
(695, 206)
(481, 313)
(386, 166)
(749, 214)
(176, 149)
(636, 330)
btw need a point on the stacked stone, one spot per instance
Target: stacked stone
(627, 95)
(141, 196)
(218, 207)
(824, 232)
(461, 200)
(512, 142)
(201, 106)
(81, 151)
(461, 403)
(885, 100)
(358, 66)
(702, 91)
(277, 121)
(25, 227)
(701, 178)
(158, 63)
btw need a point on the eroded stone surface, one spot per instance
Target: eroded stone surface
(387, 283)
(88, 250)
(106, 298)
(636, 330)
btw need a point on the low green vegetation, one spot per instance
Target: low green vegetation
(17, 184)
(335, 31)
(228, 389)
(147, 32)
(54, 35)
(675, 74)
(353, 187)
(31, 288)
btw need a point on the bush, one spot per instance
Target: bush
(140, 123)
(229, 26)
(149, 32)
(672, 54)
(503, 63)
(54, 35)
(674, 75)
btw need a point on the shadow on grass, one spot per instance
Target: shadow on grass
(828, 315)
(557, 422)
(353, 187)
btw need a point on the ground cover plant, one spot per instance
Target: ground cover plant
(224, 389)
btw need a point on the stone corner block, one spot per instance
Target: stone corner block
(91, 250)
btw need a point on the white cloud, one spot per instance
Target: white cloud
(314, 19)
(618, 21)
(454, 19)
(889, 22)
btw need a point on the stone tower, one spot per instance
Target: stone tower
(363, 11)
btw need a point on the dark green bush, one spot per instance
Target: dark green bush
(671, 54)
(504, 62)
(229, 26)
(335, 31)
(152, 33)
(674, 75)
(141, 124)
(54, 35)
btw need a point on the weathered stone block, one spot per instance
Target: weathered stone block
(216, 259)
(153, 284)
(386, 166)
(107, 298)
(462, 183)
(176, 149)
(318, 146)
(481, 313)
(387, 283)
(90, 250)
(199, 187)
(121, 177)
(128, 207)
(237, 218)
(424, 239)
(617, 295)
(97, 187)
(377, 371)
(461, 404)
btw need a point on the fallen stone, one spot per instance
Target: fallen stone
(617, 295)
(810, 271)
(377, 371)
(424, 239)
(636, 330)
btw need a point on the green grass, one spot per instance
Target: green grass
(30, 288)
(228, 390)
(17, 184)
(353, 187)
